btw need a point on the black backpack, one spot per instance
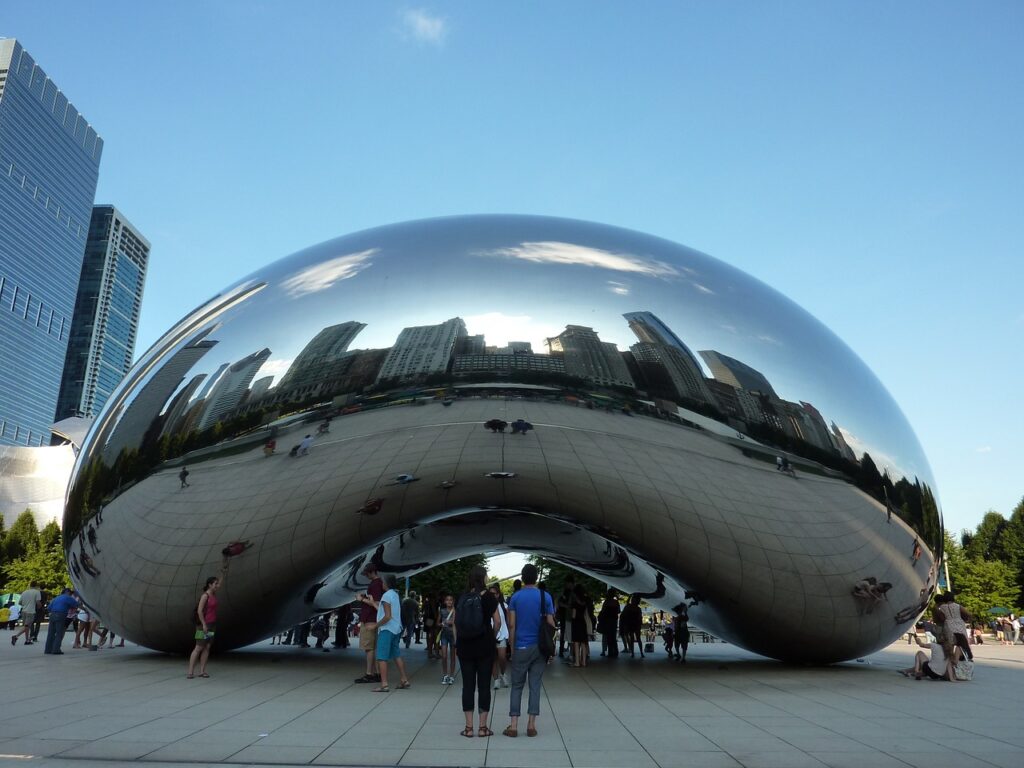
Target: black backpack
(469, 616)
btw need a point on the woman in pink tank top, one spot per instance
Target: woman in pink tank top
(205, 619)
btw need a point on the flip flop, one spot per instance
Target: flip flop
(204, 675)
(381, 689)
(405, 684)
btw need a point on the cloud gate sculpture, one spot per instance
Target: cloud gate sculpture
(418, 392)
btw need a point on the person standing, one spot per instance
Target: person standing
(681, 631)
(368, 622)
(564, 613)
(29, 602)
(954, 619)
(410, 607)
(608, 624)
(205, 620)
(343, 618)
(476, 622)
(388, 622)
(526, 609)
(183, 476)
(501, 641)
(582, 626)
(446, 620)
(60, 607)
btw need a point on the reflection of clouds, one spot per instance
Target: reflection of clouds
(499, 329)
(553, 252)
(701, 288)
(769, 339)
(983, 449)
(275, 368)
(421, 26)
(885, 463)
(322, 276)
(618, 288)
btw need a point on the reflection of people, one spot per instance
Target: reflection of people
(183, 476)
(496, 425)
(871, 592)
(307, 441)
(92, 540)
(915, 553)
(87, 564)
(236, 548)
(521, 427)
(269, 447)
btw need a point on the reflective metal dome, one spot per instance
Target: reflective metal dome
(612, 400)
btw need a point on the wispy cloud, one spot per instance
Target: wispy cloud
(553, 252)
(322, 276)
(701, 288)
(424, 27)
(983, 449)
(274, 367)
(618, 288)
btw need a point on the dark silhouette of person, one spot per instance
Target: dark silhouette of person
(92, 540)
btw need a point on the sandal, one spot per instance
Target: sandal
(531, 731)
(510, 731)
(405, 684)
(483, 731)
(189, 677)
(380, 689)
(468, 731)
(203, 674)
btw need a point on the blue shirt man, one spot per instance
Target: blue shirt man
(524, 618)
(59, 608)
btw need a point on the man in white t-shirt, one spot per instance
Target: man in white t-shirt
(29, 602)
(389, 632)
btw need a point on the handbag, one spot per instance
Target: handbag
(964, 670)
(545, 633)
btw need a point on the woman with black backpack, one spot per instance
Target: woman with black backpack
(477, 622)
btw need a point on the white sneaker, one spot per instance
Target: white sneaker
(497, 683)
(444, 679)
(504, 681)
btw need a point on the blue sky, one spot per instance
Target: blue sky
(863, 158)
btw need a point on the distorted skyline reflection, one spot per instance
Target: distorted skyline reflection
(575, 319)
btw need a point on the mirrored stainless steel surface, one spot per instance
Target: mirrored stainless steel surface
(421, 391)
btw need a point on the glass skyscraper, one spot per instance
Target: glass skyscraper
(49, 163)
(106, 318)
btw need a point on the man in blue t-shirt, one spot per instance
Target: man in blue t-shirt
(59, 608)
(524, 617)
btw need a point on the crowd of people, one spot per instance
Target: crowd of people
(64, 611)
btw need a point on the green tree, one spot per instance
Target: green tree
(22, 539)
(447, 578)
(986, 543)
(43, 566)
(555, 575)
(50, 535)
(986, 584)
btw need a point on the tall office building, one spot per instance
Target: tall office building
(587, 357)
(325, 357)
(49, 163)
(423, 350)
(737, 373)
(101, 344)
(659, 344)
(232, 387)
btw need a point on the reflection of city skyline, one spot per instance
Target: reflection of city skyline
(659, 366)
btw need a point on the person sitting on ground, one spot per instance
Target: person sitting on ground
(944, 655)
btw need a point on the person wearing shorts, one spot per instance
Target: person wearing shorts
(368, 622)
(29, 602)
(389, 635)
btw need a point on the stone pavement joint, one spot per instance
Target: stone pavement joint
(273, 705)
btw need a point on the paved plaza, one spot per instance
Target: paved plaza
(288, 706)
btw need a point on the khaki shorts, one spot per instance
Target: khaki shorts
(368, 636)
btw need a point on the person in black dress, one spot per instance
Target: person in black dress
(608, 625)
